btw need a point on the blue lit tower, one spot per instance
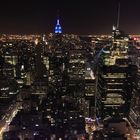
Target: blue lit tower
(58, 29)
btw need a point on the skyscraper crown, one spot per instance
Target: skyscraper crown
(58, 29)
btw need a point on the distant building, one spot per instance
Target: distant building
(76, 71)
(58, 61)
(90, 86)
(58, 29)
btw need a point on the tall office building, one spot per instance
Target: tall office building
(114, 87)
(40, 80)
(76, 71)
(90, 83)
(58, 66)
(58, 29)
(10, 57)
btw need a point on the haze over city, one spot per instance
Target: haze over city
(78, 17)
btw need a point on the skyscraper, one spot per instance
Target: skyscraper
(114, 86)
(58, 29)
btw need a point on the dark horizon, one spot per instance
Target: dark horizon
(98, 17)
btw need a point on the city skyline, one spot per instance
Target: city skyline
(70, 87)
(98, 17)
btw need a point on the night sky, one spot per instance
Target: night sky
(77, 16)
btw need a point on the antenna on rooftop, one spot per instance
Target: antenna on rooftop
(58, 28)
(118, 16)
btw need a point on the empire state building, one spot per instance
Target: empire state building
(58, 29)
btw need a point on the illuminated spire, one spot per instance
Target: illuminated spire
(118, 18)
(115, 29)
(58, 29)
